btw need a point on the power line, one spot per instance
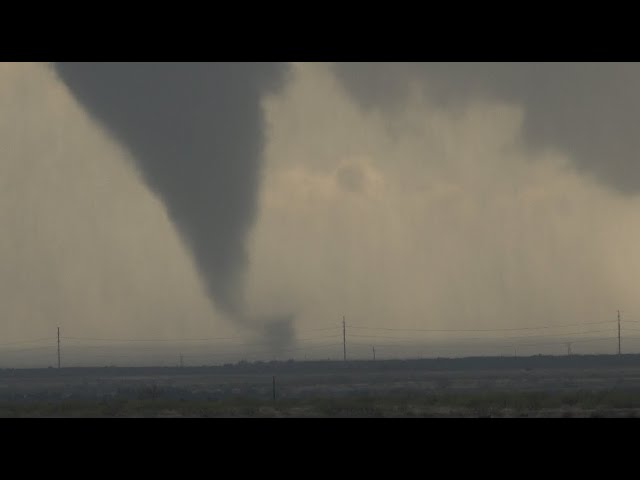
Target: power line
(27, 349)
(20, 342)
(491, 338)
(568, 338)
(263, 345)
(178, 340)
(212, 354)
(445, 345)
(320, 329)
(584, 340)
(479, 329)
(159, 340)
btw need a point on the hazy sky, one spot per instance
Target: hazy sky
(434, 217)
(401, 196)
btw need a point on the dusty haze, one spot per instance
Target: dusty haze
(412, 212)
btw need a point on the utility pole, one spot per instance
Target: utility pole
(344, 337)
(568, 348)
(374, 353)
(58, 347)
(619, 350)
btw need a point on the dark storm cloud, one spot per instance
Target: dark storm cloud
(196, 133)
(590, 111)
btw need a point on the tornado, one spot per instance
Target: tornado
(196, 133)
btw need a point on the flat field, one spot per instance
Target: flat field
(542, 386)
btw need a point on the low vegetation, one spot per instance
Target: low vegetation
(610, 403)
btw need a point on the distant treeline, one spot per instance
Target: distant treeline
(290, 366)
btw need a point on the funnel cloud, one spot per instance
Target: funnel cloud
(195, 131)
(440, 208)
